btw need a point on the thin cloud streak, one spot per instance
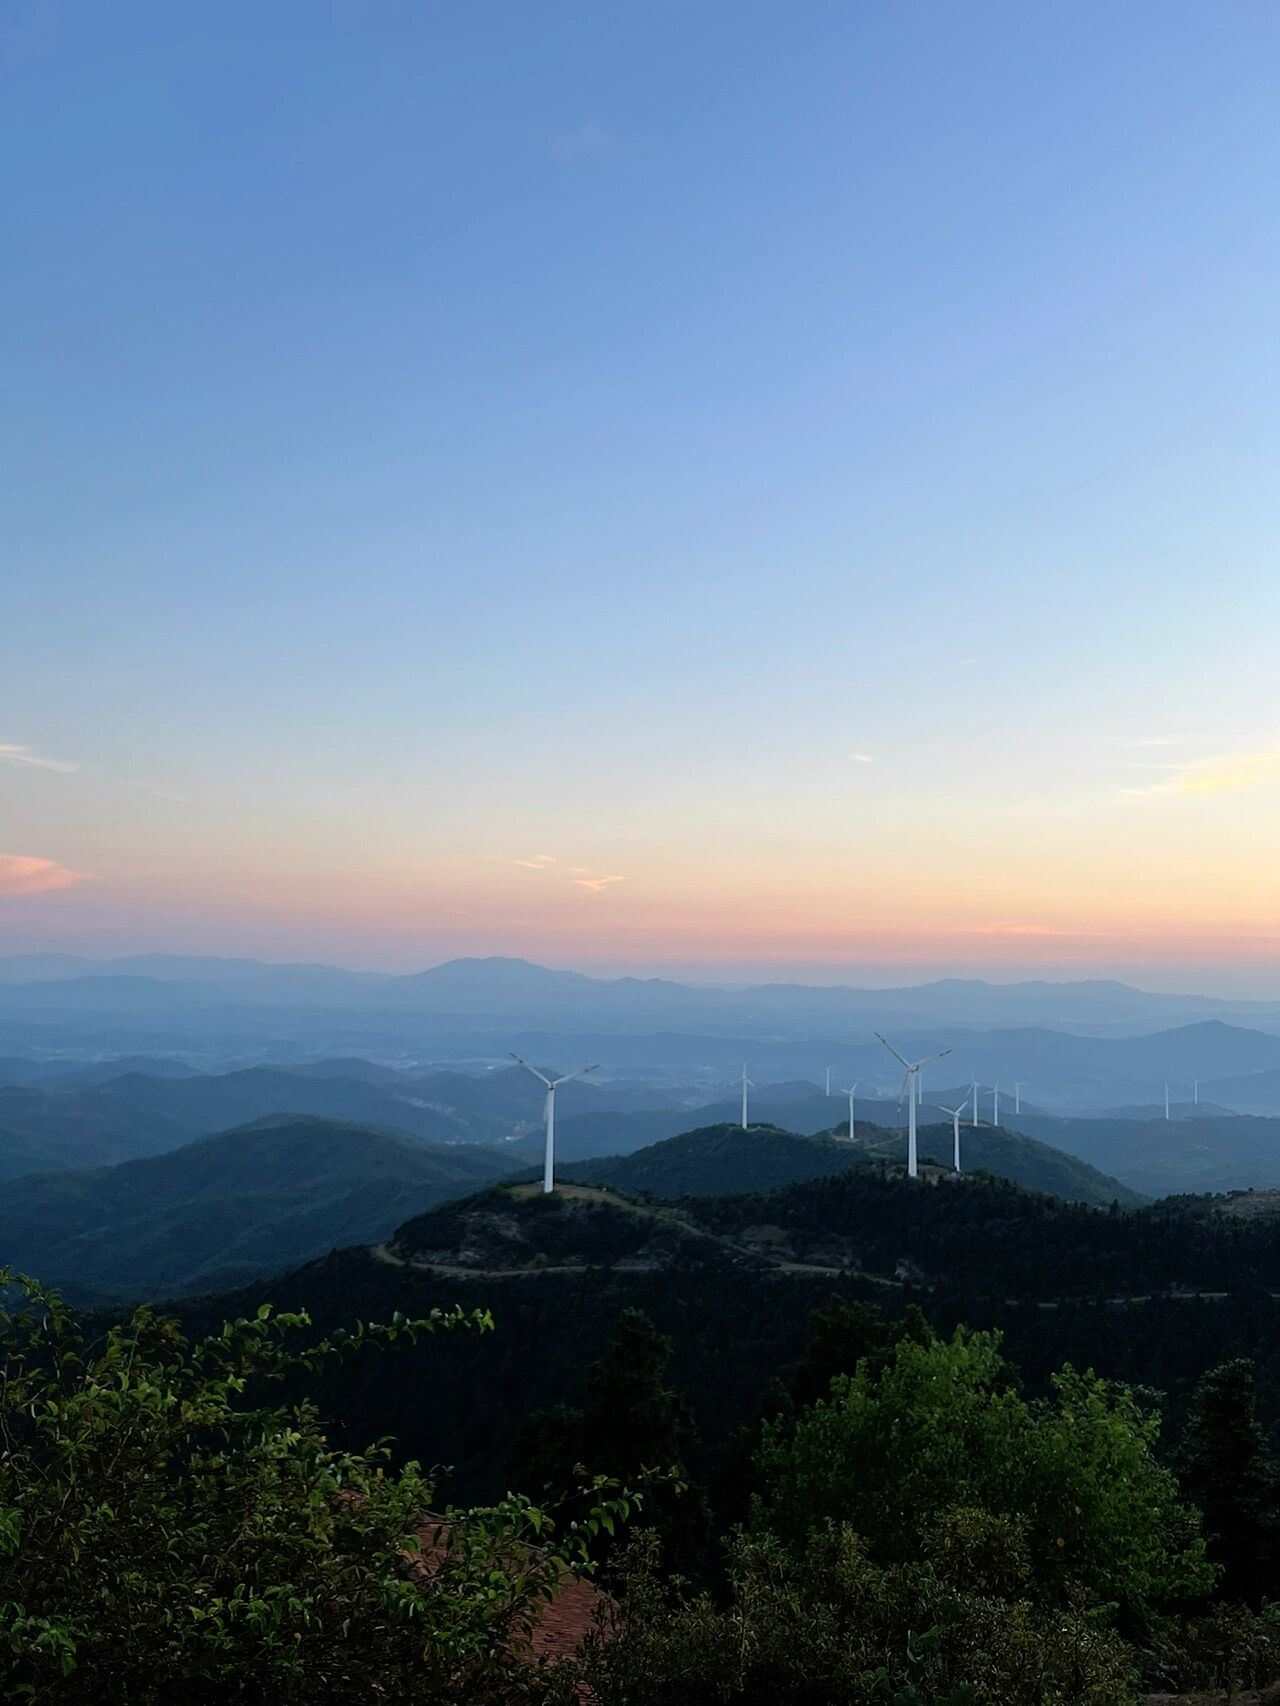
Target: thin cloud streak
(580, 876)
(1230, 774)
(11, 753)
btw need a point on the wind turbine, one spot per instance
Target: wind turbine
(1166, 1101)
(1017, 1096)
(973, 1085)
(828, 1081)
(747, 1084)
(909, 1085)
(995, 1103)
(851, 1092)
(955, 1128)
(1195, 1092)
(549, 1115)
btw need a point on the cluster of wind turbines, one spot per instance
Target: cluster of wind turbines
(911, 1087)
(911, 1090)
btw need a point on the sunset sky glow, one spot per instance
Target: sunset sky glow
(716, 489)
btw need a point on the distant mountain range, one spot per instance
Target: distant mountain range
(59, 1113)
(483, 995)
(99, 1118)
(1170, 1157)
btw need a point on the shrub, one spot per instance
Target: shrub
(826, 1627)
(166, 1535)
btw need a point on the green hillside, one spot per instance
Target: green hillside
(227, 1208)
(1025, 1161)
(717, 1159)
(722, 1159)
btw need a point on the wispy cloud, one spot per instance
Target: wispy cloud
(10, 753)
(1230, 774)
(25, 874)
(581, 876)
(160, 793)
(861, 758)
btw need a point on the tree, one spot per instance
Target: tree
(166, 1534)
(1226, 1468)
(841, 1334)
(632, 1427)
(940, 1427)
(631, 1420)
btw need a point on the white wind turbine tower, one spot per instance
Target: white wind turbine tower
(973, 1086)
(955, 1128)
(747, 1084)
(1166, 1101)
(1195, 1092)
(909, 1085)
(828, 1081)
(549, 1116)
(851, 1092)
(1017, 1096)
(995, 1103)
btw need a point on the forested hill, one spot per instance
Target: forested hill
(719, 1159)
(228, 1208)
(518, 1229)
(1112, 1288)
(261, 1198)
(978, 1234)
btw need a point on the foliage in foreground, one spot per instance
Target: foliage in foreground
(166, 1535)
(940, 1427)
(824, 1626)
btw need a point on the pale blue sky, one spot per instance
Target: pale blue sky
(439, 436)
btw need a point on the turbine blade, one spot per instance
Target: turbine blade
(533, 1069)
(580, 1073)
(893, 1051)
(929, 1058)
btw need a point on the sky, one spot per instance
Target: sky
(707, 486)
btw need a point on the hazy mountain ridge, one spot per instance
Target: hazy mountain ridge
(117, 1118)
(1166, 1158)
(512, 991)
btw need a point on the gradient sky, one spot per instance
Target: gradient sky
(707, 485)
